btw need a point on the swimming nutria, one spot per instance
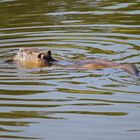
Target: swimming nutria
(32, 57)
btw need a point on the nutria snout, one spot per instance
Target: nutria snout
(46, 58)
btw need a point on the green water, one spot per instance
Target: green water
(62, 104)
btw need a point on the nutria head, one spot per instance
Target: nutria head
(32, 57)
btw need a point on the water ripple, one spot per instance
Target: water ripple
(70, 103)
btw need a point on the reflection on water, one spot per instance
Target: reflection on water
(58, 103)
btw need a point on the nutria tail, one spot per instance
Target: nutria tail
(130, 68)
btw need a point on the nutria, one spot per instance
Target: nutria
(32, 57)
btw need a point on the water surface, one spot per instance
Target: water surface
(57, 103)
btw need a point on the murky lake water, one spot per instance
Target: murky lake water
(66, 104)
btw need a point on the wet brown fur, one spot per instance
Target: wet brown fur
(32, 57)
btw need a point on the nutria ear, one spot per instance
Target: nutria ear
(49, 53)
